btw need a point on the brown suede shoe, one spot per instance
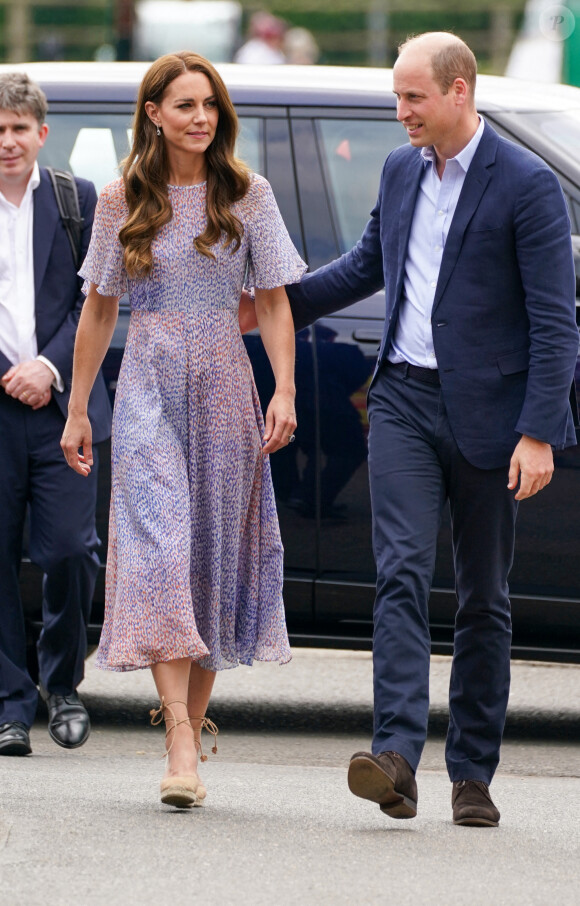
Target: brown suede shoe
(387, 779)
(472, 804)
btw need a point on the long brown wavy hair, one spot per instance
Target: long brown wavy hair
(146, 169)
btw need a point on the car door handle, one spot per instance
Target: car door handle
(367, 335)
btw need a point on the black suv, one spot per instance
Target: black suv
(320, 135)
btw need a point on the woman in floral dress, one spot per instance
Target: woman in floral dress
(194, 568)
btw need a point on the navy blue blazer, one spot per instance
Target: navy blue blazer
(58, 296)
(503, 319)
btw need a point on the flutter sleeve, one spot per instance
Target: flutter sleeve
(104, 265)
(273, 260)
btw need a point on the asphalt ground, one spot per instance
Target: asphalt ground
(280, 825)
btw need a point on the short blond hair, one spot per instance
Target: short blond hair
(453, 60)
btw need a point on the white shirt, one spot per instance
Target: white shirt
(436, 203)
(17, 297)
(258, 51)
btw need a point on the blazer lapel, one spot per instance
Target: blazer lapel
(45, 221)
(412, 181)
(410, 190)
(476, 181)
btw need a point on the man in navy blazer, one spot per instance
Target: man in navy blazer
(470, 237)
(40, 304)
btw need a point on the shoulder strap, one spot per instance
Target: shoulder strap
(67, 199)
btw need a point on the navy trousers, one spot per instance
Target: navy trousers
(415, 467)
(34, 476)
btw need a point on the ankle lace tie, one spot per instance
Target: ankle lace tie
(157, 715)
(205, 724)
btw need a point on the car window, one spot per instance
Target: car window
(354, 152)
(280, 174)
(92, 145)
(89, 145)
(574, 208)
(561, 128)
(250, 147)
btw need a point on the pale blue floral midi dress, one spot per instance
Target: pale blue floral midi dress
(194, 566)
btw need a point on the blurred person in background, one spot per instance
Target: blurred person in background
(266, 41)
(300, 47)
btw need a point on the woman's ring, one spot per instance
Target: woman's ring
(291, 438)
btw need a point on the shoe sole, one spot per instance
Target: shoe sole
(179, 797)
(15, 748)
(475, 822)
(367, 781)
(180, 792)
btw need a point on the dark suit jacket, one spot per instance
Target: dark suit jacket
(59, 298)
(503, 317)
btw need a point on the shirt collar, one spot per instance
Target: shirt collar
(33, 183)
(466, 154)
(34, 180)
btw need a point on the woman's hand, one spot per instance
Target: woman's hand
(78, 435)
(94, 333)
(280, 422)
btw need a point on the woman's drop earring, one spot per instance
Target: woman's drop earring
(158, 131)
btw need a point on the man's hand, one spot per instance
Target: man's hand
(29, 382)
(247, 313)
(533, 464)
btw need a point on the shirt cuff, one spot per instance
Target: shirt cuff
(57, 382)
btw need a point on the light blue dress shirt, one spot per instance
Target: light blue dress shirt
(436, 203)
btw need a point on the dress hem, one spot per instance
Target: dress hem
(224, 664)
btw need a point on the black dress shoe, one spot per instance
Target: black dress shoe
(68, 722)
(387, 779)
(14, 739)
(472, 804)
